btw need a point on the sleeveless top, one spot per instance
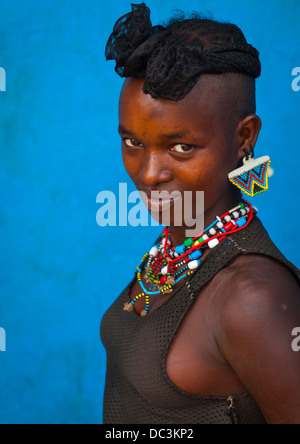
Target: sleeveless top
(138, 390)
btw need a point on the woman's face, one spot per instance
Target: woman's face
(189, 145)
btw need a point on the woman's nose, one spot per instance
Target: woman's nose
(155, 170)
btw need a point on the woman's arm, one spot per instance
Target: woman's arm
(261, 310)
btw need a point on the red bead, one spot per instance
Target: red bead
(163, 280)
(229, 226)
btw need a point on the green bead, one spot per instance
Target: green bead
(241, 205)
(200, 240)
(189, 242)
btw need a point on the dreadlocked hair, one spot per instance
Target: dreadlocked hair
(171, 58)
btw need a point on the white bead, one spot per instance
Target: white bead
(213, 243)
(153, 252)
(212, 231)
(235, 214)
(227, 218)
(165, 241)
(205, 237)
(164, 270)
(193, 264)
(243, 212)
(220, 225)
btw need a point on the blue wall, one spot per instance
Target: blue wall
(59, 148)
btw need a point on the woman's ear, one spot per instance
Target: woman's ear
(247, 134)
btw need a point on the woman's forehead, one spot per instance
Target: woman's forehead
(217, 100)
(199, 108)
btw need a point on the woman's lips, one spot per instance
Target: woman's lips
(157, 204)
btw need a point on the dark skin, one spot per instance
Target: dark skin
(236, 338)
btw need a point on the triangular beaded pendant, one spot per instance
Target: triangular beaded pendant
(252, 177)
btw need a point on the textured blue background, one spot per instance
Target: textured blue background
(59, 147)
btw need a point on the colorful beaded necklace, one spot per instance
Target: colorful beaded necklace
(165, 266)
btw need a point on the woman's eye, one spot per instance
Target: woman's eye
(182, 148)
(132, 143)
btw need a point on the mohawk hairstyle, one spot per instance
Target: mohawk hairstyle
(172, 58)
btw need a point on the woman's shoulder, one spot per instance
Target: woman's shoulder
(255, 288)
(259, 268)
(255, 275)
(262, 266)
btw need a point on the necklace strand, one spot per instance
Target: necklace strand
(166, 266)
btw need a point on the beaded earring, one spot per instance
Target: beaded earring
(252, 177)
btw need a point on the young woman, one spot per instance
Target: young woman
(203, 332)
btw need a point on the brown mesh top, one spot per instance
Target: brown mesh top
(138, 390)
